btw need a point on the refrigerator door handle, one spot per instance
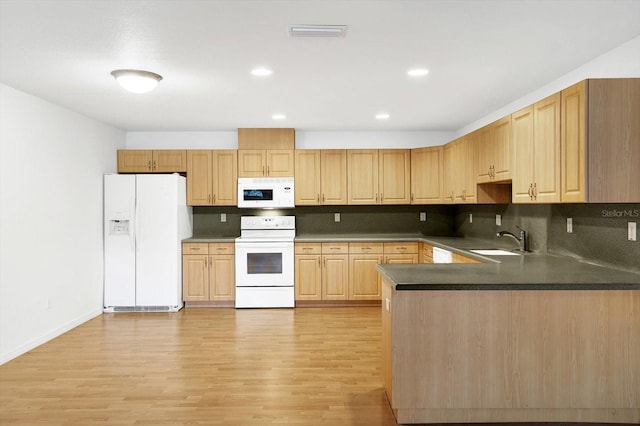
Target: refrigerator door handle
(132, 220)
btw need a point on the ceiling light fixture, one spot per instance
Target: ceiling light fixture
(304, 30)
(261, 72)
(418, 72)
(278, 116)
(382, 116)
(136, 81)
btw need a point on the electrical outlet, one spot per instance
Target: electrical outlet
(423, 216)
(223, 217)
(336, 217)
(498, 220)
(632, 231)
(569, 225)
(470, 218)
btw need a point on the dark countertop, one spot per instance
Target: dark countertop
(530, 271)
(209, 239)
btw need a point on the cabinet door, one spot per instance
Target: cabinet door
(222, 282)
(573, 143)
(333, 176)
(522, 158)
(170, 161)
(427, 175)
(252, 162)
(135, 161)
(195, 278)
(308, 277)
(485, 149)
(468, 169)
(335, 277)
(224, 182)
(546, 149)
(362, 170)
(449, 172)
(501, 142)
(199, 172)
(280, 163)
(307, 188)
(364, 279)
(394, 173)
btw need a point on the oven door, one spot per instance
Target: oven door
(264, 264)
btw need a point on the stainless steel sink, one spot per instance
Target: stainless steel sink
(495, 252)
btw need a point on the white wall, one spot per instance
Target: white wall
(304, 139)
(51, 166)
(623, 61)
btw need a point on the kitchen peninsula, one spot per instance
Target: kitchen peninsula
(526, 338)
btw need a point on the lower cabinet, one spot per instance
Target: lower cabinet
(321, 271)
(364, 279)
(208, 272)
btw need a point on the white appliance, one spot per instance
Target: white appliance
(145, 219)
(266, 192)
(264, 262)
(442, 255)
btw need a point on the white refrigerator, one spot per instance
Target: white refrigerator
(145, 219)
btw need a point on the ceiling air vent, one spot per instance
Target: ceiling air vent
(331, 31)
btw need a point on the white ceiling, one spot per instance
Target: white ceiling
(482, 55)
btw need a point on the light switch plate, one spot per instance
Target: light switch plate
(423, 216)
(498, 220)
(632, 231)
(569, 225)
(223, 217)
(336, 217)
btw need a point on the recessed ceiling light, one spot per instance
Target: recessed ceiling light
(304, 30)
(382, 116)
(278, 116)
(418, 72)
(136, 81)
(261, 72)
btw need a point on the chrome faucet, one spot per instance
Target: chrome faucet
(522, 240)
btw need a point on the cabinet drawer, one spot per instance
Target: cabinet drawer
(460, 258)
(365, 248)
(401, 248)
(308, 248)
(335, 248)
(221, 248)
(195, 248)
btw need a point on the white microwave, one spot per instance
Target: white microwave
(266, 192)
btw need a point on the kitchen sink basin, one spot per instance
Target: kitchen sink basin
(495, 252)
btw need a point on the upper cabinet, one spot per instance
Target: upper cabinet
(427, 175)
(379, 176)
(459, 158)
(266, 152)
(152, 161)
(493, 143)
(212, 177)
(321, 177)
(600, 141)
(536, 152)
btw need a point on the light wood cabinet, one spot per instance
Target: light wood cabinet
(208, 272)
(426, 252)
(494, 151)
(600, 141)
(321, 177)
(212, 178)
(427, 175)
(152, 161)
(262, 163)
(400, 252)
(536, 152)
(364, 279)
(266, 138)
(460, 170)
(322, 271)
(379, 176)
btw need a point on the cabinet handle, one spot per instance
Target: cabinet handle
(530, 191)
(149, 165)
(322, 198)
(412, 197)
(154, 164)
(194, 248)
(319, 261)
(268, 170)
(206, 261)
(214, 198)
(319, 198)
(535, 191)
(263, 171)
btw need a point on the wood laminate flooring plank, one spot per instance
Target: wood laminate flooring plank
(305, 366)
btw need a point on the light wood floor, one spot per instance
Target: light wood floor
(305, 366)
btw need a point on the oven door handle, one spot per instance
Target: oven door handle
(265, 245)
